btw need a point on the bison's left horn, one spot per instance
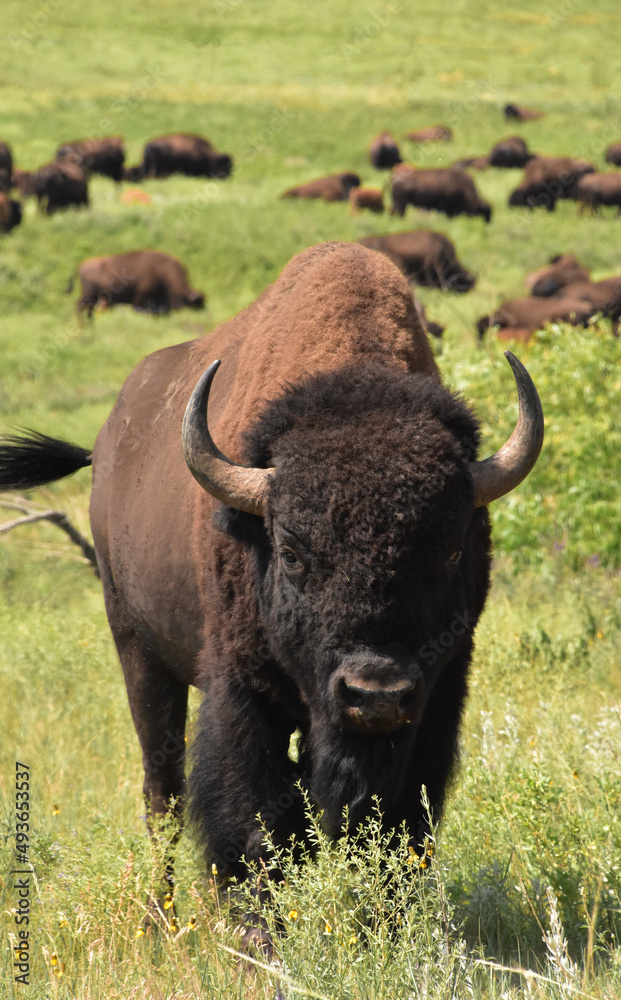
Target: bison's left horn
(502, 472)
(234, 485)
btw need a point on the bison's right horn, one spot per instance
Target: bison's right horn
(234, 485)
(497, 475)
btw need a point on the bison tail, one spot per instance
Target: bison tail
(32, 459)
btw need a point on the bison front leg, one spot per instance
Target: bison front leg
(242, 779)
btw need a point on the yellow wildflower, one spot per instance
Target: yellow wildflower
(168, 901)
(55, 810)
(292, 915)
(353, 939)
(327, 928)
(139, 932)
(192, 924)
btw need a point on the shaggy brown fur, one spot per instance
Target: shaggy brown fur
(335, 187)
(24, 181)
(433, 133)
(613, 154)
(148, 280)
(564, 269)
(532, 313)
(445, 189)
(95, 156)
(384, 152)
(596, 190)
(370, 198)
(548, 178)
(425, 257)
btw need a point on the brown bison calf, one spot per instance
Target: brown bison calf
(96, 156)
(445, 189)
(516, 113)
(548, 178)
(59, 185)
(335, 187)
(424, 257)
(595, 190)
(433, 133)
(148, 280)
(564, 269)
(10, 213)
(370, 198)
(531, 314)
(384, 152)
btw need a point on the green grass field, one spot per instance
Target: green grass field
(527, 876)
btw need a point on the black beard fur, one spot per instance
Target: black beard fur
(349, 769)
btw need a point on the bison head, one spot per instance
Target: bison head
(371, 557)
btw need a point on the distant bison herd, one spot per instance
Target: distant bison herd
(155, 282)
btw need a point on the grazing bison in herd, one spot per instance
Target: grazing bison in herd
(148, 280)
(563, 269)
(613, 154)
(59, 185)
(595, 190)
(179, 153)
(384, 152)
(604, 297)
(425, 257)
(334, 187)
(509, 152)
(533, 313)
(370, 198)
(95, 156)
(516, 113)
(323, 572)
(445, 189)
(433, 133)
(548, 178)
(10, 213)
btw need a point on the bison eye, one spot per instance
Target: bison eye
(291, 559)
(455, 557)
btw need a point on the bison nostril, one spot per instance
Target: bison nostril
(351, 696)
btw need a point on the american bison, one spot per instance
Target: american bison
(334, 187)
(433, 133)
(24, 181)
(384, 152)
(10, 213)
(613, 154)
(6, 168)
(532, 313)
(517, 113)
(595, 190)
(548, 178)
(148, 280)
(472, 163)
(96, 156)
(180, 153)
(425, 257)
(324, 571)
(362, 197)
(445, 189)
(59, 185)
(604, 296)
(563, 269)
(509, 152)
